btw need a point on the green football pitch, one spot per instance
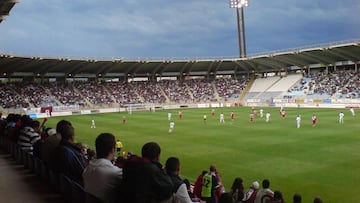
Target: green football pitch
(323, 160)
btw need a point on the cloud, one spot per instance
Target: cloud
(160, 28)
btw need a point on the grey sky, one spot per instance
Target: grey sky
(159, 28)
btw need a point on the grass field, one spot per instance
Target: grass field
(322, 160)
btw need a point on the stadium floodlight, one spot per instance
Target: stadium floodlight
(239, 5)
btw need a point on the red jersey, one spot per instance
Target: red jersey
(283, 113)
(314, 119)
(251, 117)
(232, 115)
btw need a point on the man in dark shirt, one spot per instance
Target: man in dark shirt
(144, 180)
(66, 158)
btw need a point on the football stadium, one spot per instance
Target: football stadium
(290, 117)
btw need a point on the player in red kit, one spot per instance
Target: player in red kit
(255, 113)
(180, 115)
(283, 114)
(232, 116)
(212, 112)
(314, 120)
(251, 117)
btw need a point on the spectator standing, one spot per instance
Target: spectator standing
(209, 186)
(220, 188)
(198, 184)
(101, 177)
(237, 190)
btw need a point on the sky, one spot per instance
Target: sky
(173, 29)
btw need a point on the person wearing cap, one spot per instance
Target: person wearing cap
(250, 194)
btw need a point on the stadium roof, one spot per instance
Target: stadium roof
(5, 7)
(319, 56)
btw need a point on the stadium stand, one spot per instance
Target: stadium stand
(262, 84)
(317, 85)
(285, 83)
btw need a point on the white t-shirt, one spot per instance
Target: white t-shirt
(102, 178)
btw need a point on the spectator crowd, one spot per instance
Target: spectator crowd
(87, 93)
(338, 84)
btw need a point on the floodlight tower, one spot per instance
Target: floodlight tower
(239, 5)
